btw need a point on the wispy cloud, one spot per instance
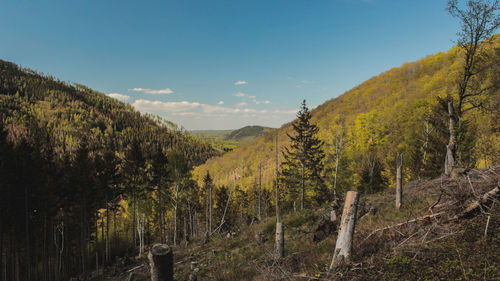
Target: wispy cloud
(148, 105)
(165, 91)
(240, 94)
(119, 96)
(220, 102)
(186, 108)
(241, 82)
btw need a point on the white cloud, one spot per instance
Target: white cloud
(195, 115)
(165, 91)
(220, 102)
(239, 94)
(252, 97)
(119, 96)
(261, 102)
(241, 82)
(148, 105)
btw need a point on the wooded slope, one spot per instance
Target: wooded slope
(396, 111)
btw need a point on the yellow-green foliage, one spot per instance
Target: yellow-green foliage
(382, 116)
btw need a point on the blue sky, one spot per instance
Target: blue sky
(222, 64)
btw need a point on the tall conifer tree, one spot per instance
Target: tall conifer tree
(302, 164)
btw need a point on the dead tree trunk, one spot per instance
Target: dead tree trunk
(260, 191)
(280, 240)
(280, 234)
(399, 181)
(210, 209)
(175, 211)
(161, 262)
(347, 224)
(451, 148)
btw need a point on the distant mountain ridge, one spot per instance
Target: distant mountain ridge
(227, 140)
(248, 133)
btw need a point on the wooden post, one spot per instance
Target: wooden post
(345, 237)
(399, 181)
(280, 240)
(161, 262)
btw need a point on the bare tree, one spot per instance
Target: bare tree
(478, 19)
(339, 147)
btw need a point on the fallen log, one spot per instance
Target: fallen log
(406, 222)
(478, 203)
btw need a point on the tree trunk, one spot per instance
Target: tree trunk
(190, 216)
(259, 214)
(27, 245)
(108, 242)
(303, 190)
(175, 211)
(277, 175)
(344, 239)
(280, 240)
(210, 209)
(399, 181)
(451, 148)
(1, 250)
(133, 220)
(161, 261)
(186, 233)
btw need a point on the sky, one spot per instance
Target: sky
(222, 64)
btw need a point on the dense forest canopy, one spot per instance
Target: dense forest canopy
(68, 155)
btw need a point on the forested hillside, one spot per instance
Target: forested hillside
(227, 140)
(68, 156)
(248, 133)
(397, 111)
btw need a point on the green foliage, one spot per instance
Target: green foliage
(301, 166)
(68, 155)
(394, 112)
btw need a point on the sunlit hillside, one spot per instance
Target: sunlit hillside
(382, 116)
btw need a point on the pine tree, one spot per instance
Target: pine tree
(302, 164)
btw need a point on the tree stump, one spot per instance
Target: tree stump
(280, 240)
(344, 240)
(161, 261)
(399, 181)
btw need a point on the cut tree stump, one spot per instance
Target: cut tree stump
(280, 240)
(344, 239)
(161, 261)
